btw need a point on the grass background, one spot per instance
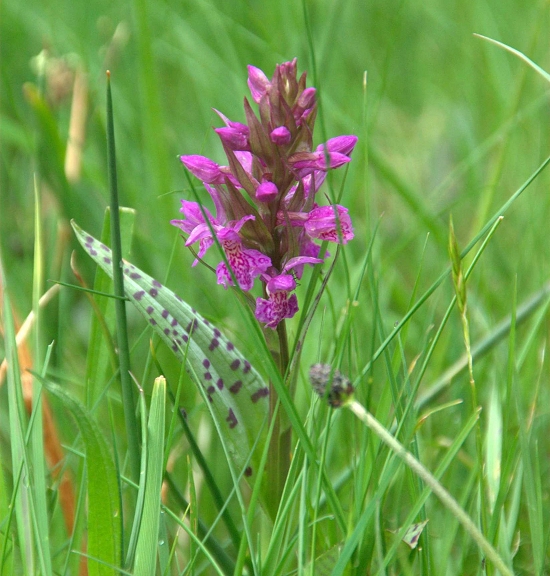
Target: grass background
(449, 124)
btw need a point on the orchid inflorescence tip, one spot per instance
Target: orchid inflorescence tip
(266, 218)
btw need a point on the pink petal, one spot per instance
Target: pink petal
(281, 136)
(341, 144)
(203, 168)
(278, 307)
(321, 224)
(266, 192)
(257, 82)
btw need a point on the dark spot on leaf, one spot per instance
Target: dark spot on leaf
(219, 383)
(246, 366)
(152, 321)
(149, 309)
(135, 276)
(106, 259)
(230, 346)
(139, 295)
(231, 418)
(217, 333)
(207, 376)
(235, 364)
(234, 388)
(192, 326)
(248, 472)
(206, 363)
(153, 292)
(157, 284)
(210, 391)
(261, 393)
(213, 344)
(174, 322)
(165, 314)
(167, 331)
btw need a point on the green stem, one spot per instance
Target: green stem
(128, 395)
(278, 462)
(446, 499)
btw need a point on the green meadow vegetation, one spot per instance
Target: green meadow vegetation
(114, 457)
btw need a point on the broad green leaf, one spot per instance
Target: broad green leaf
(104, 514)
(148, 539)
(238, 394)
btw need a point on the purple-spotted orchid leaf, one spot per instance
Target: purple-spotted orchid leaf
(237, 393)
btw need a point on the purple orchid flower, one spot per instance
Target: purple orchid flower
(280, 303)
(272, 176)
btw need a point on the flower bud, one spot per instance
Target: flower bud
(233, 138)
(340, 144)
(266, 192)
(258, 83)
(305, 163)
(203, 168)
(281, 136)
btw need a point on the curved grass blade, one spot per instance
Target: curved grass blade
(238, 394)
(104, 513)
(517, 53)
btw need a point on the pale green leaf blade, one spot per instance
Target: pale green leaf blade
(238, 394)
(148, 539)
(104, 514)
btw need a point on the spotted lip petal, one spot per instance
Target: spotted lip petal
(323, 224)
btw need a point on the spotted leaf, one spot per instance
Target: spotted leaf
(237, 393)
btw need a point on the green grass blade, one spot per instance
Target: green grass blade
(440, 470)
(496, 216)
(17, 426)
(128, 396)
(6, 538)
(532, 488)
(517, 53)
(101, 355)
(104, 513)
(138, 512)
(148, 539)
(36, 451)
